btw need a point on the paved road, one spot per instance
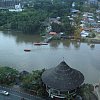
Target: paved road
(15, 95)
(97, 92)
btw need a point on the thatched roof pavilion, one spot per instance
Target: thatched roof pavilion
(62, 77)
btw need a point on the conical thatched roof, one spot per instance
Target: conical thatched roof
(24, 73)
(63, 77)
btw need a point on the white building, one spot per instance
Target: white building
(97, 30)
(17, 8)
(84, 34)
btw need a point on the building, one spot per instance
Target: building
(84, 34)
(93, 1)
(52, 33)
(5, 4)
(62, 79)
(17, 8)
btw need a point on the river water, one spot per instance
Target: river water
(77, 55)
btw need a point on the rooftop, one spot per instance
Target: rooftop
(63, 77)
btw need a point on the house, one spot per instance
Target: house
(62, 35)
(55, 20)
(97, 30)
(92, 1)
(98, 21)
(52, 33)
(75, 11)
(82, 25)
(97, 11)
(84, 34)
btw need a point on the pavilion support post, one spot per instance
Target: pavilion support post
(49, 91)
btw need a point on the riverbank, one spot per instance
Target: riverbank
(91, 40)
(31, 83)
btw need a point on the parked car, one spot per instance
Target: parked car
(4, 92)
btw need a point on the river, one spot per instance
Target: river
(77, 55)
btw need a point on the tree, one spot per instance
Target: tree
(8, 75)
(33, 82)
(69, 96)
(77, 33)
(57, 27)
(86, 91)
(67, 27)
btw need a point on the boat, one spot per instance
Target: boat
(27, 50)
(37, 43)
(92, 45)
(44, 43)
(40, 43)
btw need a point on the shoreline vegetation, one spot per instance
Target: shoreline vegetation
(32, 83)
(47, 16)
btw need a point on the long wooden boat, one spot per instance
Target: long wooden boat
(40, 43)
(44, 43)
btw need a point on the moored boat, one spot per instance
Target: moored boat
(27, 50)
(44, 43)
(37, 43)
(40, 43)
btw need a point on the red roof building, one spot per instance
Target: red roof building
(52, 33)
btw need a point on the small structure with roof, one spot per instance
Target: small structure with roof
(62, 80)
(24, 73)
(75, 11)
(62, 35)
(52, 33)
(55, 20)
(84, 34)
(16, 9)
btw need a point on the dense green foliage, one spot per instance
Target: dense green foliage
(54, 7)
(26, 21)
(35, 15)
(64, 26)
(30, 82)
(33, 83)
(7, 75)
(86, 91)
